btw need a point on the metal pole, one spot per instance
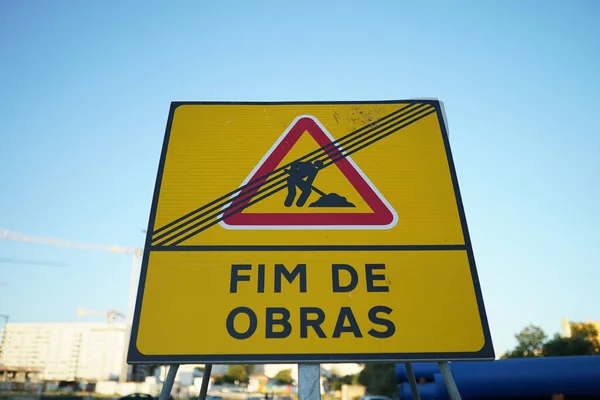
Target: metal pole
(449, 380)
(309, 382)
(165, 392)
(205, 381)
(412, 381)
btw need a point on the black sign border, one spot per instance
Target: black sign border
(486, 353)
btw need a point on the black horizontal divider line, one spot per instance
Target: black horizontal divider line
(416, 247)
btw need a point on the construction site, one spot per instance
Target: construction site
(68, 352)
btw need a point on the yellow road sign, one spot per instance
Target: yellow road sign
(308, 232)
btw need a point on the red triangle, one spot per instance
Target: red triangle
(382, 217)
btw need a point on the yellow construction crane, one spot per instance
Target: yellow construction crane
(21, 237)
(135, 251)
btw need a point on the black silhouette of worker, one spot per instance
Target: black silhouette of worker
(301, 174)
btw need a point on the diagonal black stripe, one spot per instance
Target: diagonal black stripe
(277, 185)
(227, 196)
(216, 221)
(240, 208)
(375, 139)
(247, 195)
(228, 214)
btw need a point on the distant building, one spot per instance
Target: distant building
(270, 370)
(327, 370)
(65, 351)
(219, 370)
(566, 326)
(258, 383)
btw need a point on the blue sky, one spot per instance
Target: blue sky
(86, 87)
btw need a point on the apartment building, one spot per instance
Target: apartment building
(66, 351)
(566, 326)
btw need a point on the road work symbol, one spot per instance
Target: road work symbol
(297, 173)
(326, 181)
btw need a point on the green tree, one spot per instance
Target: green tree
(568, 346)
(529, 343)
(582, 342)
(378, 379)
(219, 380)
(586, 331)
(238, 372)
(337, 381)
(532, 342)
(284, 377)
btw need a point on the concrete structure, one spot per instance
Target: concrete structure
(66, 351)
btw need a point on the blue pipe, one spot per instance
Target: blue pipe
(517, 377)
(422, 370)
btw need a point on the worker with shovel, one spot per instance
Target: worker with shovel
(299, 170)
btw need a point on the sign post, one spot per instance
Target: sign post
(320, 232)
(449, 381)
(309, 381)
(412, 381)
(165, 391)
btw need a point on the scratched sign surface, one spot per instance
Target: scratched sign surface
(323, 232)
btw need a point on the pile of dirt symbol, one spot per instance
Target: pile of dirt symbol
(332, 200)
